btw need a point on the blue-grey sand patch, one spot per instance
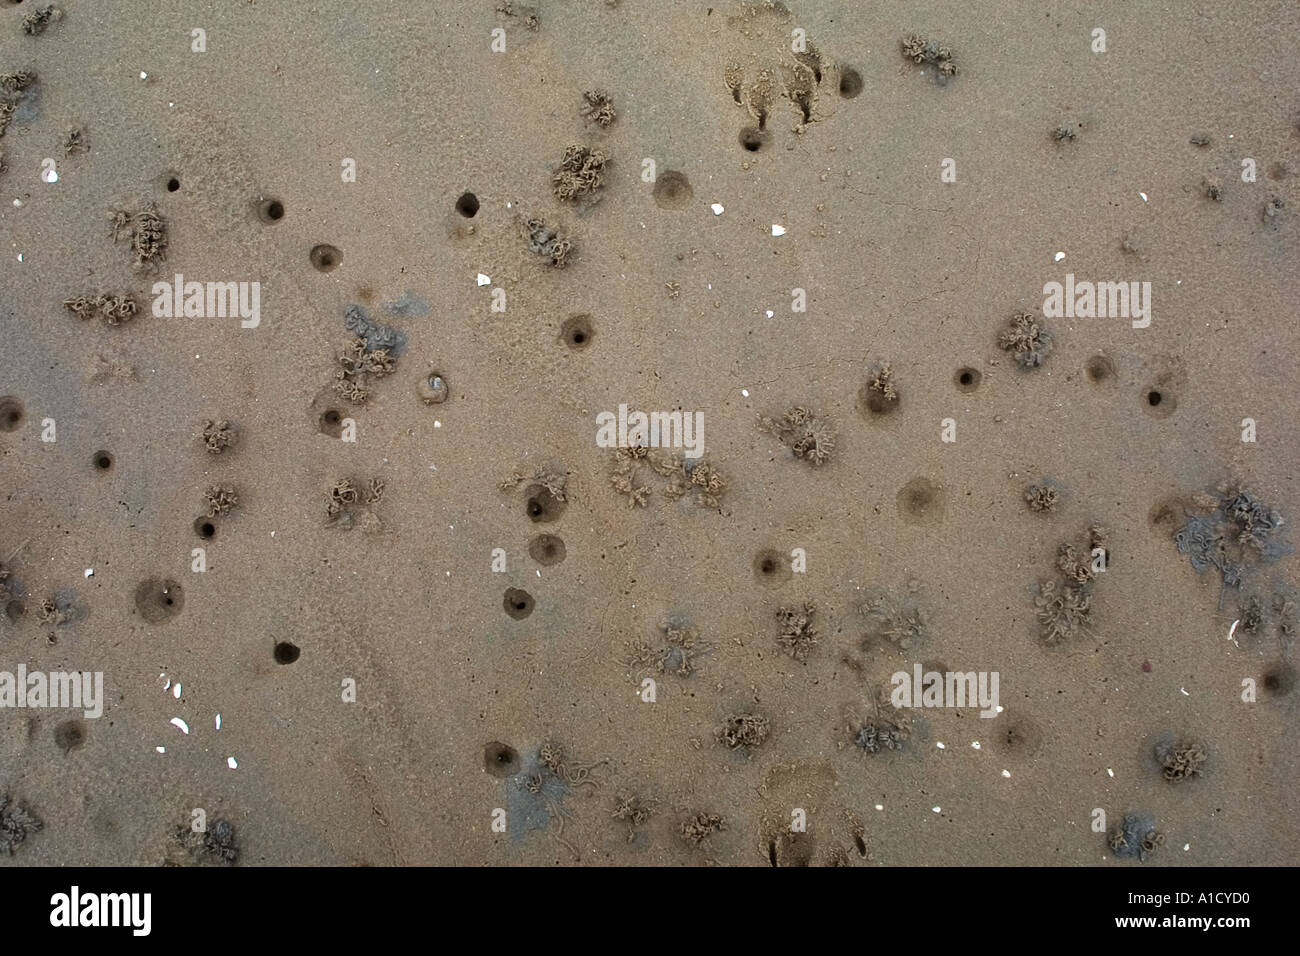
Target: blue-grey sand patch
(65, 607)
(1241, 531)
(16, 823)
(1136, 836)
(21, 95)
(376, 334)
(408, 306)
(532, 797)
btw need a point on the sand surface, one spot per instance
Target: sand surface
(685, 310)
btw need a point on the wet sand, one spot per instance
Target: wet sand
(521, 690)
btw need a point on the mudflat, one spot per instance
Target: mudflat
(644, 433)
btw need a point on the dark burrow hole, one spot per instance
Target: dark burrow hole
(433, 389)
(331, 422)
(11, 413)
(205, 528)
(850, 83)
(326, 258)
(1158, 401)
(102, 460)
(159, 599)
(577, 332)
(542, 507)
(518, 603)
(1099, 369)
(1279, 680)
(500, 760)
(467, 205)
(770, 567)
(272, 210)
(967, 379)
(286, 652)
(753, 139)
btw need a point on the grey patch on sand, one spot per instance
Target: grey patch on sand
(529, 14)
(27, 109)
(1200, 540)
(1136, 836)
(876, 736)
(68, 608)
(807, 435)
(16, 822)
(216, 844)
(531, 795)
(678, 654)
(376, 334)
(1236, 534)
(219, 842)
(931, 52)
(895, 620)
(408, 306)
(39, 20)
(1027, 340)
(21, 93)
(1256, 520)
(887, 728)
(544, 241)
